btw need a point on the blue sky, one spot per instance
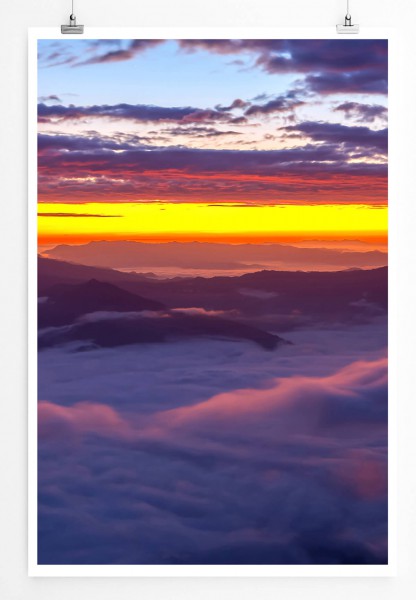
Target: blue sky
(163, 75)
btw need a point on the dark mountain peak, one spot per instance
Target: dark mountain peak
(52, 271)
(96, 284)
(67, 302)
(102, 295)
(91, 283)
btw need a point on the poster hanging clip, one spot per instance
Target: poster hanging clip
(347, 26)
(72, 27)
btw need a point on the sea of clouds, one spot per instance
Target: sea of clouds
(216, 452)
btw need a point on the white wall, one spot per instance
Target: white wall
(15, 18)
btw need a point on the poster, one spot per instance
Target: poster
(211, 305)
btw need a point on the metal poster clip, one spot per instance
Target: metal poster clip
(72, 27)
(347, 26)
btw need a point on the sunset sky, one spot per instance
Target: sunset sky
(255, 140)
(212, 302)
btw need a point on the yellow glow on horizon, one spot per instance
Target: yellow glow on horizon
(199, 221)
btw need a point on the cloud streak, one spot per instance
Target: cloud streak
(133, 112)
(57, 214)
(134, 48)
(99, 51)
(349, 137)
(281, 104)
(364, 113)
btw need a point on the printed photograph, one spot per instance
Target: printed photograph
(212, 302)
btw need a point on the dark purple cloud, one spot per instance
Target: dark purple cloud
(349, 136)
(238, 103)
(138, 112)
(337, 56)
(361, 82)
(60, 143)
(282, 104)
(98, 154)
(366, 113)
(330, 66)
(199, 132)
(300, 56)
(132, 112)
(50, 98)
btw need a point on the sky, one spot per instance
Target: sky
(212, 140)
